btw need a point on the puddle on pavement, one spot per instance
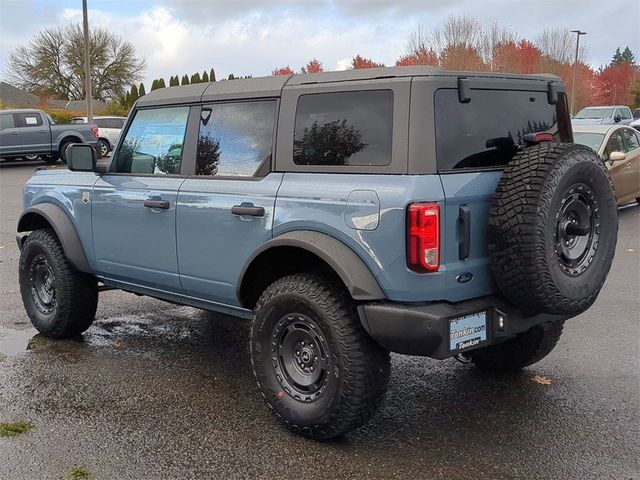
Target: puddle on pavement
(13, 342)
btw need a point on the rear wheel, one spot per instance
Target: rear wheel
(318, 370)
(50, 159)
(520, 351)
(103, 145)
(60, 301)
(64, 147)
(31, 158)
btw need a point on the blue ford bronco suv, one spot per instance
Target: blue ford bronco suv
(346, 214)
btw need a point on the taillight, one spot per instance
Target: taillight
(96, 132)
(423, 237)
(533, 138)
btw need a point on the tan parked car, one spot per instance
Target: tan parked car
(619, 147)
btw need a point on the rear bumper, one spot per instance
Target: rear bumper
(423, 329)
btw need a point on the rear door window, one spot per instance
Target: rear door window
(344, 128)
(27, 119)
(489, 130)
(236, 139)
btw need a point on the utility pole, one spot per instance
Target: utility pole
(87, 65)
(575, 71)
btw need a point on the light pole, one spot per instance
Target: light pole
(87, 65)
(575, 71)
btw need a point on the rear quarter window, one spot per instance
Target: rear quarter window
(488, 130)
(344, 128)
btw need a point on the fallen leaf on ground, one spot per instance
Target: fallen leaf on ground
(630, 250)
(541, 380)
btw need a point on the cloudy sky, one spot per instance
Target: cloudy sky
(254, 37)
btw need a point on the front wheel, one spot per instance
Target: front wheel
(60, 301)
(318, 370)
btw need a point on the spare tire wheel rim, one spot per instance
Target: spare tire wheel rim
(577, 229)
(301, 357)
(42, 283)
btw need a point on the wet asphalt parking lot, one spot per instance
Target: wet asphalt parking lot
(155, 390)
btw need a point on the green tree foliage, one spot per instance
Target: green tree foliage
(212, 75)
(205, 77)
(195, 78)
(141, 90)
(133, 94)
(626, 56)
(52, 63)
(208, 156)
(185, 80)
(330, 144)
(231, 77)
(161, 83)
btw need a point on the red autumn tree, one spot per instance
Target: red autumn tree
(462, 57)
(282, 71)
(312, 66)
(520, 57)
(359, 62)
(422, 56)
(615, 84)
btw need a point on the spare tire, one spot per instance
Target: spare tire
(553, 228)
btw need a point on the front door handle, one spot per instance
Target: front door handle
(164, 204)
(248, 209)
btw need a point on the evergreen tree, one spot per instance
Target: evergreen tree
(617, 57)
(154, 85)
(141, 90)
(195, 78)
(127, 100)
(627, 56)
(205, 77)
(161, 83)
(212, 75)
(231, 77)
(133, 95)
(173, 81)
(185, 80)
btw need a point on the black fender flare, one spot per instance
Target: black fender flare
(351, 269)
(64, 228)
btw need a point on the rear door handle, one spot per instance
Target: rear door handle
(464, 218)
(164, 204)
(248, 209)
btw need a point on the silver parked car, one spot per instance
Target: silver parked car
(110, 128)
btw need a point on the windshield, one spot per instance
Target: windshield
(593, 140)
(595, 113)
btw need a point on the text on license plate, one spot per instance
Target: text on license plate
(468, 331)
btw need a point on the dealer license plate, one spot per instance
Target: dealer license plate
(467, 331)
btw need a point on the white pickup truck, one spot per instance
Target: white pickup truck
(29, 133)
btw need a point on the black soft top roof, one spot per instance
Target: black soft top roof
(272, 86)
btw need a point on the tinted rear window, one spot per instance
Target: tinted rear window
(488, 130)
(344, 128)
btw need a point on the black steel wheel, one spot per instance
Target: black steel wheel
(577, 229)
(302, 354)
(318, 370)
(42, 283)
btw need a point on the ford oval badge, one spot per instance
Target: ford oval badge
(464, 277)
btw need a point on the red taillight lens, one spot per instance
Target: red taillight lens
(423, 237)
(96, 132)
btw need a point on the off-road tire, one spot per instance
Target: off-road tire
(518, 352)
(529, 239)
(357, 373)
(75, 294)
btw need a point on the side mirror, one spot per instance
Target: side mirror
(81, 157)
(617, 156)
(617, 117)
